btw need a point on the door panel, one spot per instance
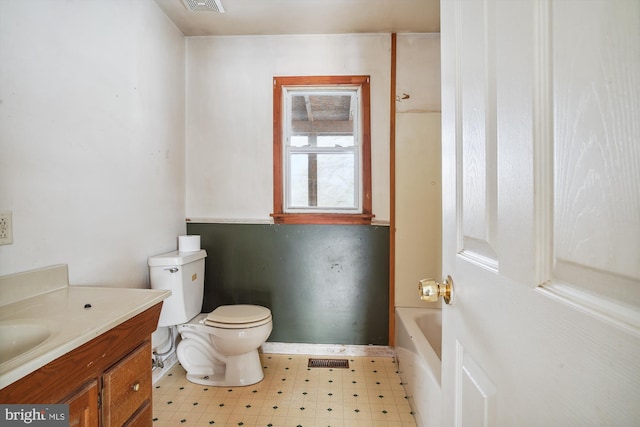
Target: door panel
(476, 119)
(541, 211)
(596, 78)
(476, 393)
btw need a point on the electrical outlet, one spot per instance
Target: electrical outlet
(6, 228)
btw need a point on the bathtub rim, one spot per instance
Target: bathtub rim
(405, 317)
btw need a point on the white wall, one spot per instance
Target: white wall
(91, 137)
(230, 113)
(418, 171)
(230, 143)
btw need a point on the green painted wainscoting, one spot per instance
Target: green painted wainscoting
(325, 284)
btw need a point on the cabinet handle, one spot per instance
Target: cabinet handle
(135, 387)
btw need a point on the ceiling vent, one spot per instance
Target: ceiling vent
(204, 5)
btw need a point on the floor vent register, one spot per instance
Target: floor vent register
(328, 363)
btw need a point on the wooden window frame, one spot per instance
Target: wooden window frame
(279, 215)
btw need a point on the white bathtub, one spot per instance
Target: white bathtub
(418, 335)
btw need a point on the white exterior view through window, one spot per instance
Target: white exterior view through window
(322, 151)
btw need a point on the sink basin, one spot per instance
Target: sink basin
(20, 338)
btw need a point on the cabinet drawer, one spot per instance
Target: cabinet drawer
(127, 386)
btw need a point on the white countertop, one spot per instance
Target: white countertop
(62, 311)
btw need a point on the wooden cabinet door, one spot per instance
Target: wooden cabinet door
(83, 406)
(143, 418)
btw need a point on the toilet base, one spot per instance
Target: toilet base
(241, 370)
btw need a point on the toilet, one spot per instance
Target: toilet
(218, 348)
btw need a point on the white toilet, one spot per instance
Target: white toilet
(218, 348)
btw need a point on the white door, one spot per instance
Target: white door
(541, 212)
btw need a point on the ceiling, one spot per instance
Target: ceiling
(269, 17)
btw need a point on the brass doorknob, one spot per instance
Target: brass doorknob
(135, 387)
(430, 290)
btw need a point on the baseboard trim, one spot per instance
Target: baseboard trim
(327, 349)
(157, 372)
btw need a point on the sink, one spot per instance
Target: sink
(20, 338)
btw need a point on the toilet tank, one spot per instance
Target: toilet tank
(182, 273)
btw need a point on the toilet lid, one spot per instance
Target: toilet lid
(238, 316)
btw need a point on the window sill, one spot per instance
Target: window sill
(322, 218)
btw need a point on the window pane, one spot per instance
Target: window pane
(317, 114)
(336, 180)
(323, 180)
(299, 140)
(335, 141)
(299, 180)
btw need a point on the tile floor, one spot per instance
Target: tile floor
(367, 394)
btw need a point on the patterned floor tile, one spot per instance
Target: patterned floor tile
(368, 393)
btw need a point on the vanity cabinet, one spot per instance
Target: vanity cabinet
(106, 382)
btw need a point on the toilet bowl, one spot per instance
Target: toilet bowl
(218, 348)
(225, 353)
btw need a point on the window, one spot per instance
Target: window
(321, 150)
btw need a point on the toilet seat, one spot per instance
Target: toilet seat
(238, 316)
